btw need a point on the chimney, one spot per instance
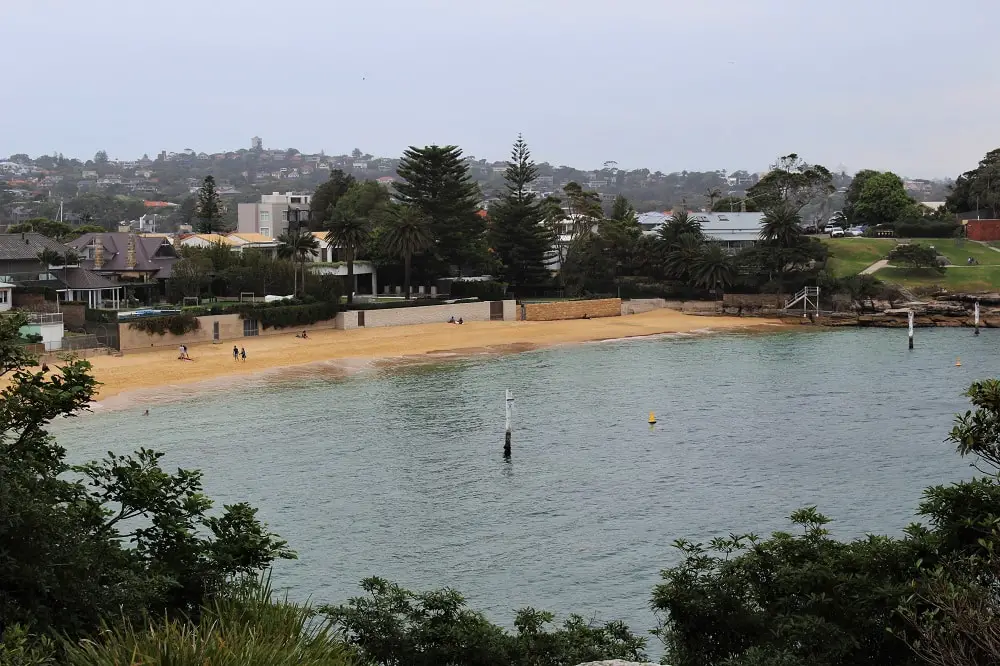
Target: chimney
(130, 261)
(99, 251)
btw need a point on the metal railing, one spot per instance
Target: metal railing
(44, 318)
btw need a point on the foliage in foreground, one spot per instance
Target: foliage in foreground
(121, 536)
(932, 596)
(397, 627)
(243, 628)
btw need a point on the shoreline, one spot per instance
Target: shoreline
(152, 375)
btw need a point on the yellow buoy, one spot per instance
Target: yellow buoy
(958, 362)
(652, 418)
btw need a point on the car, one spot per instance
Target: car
(855, 232)
(829, 228)
(837, 232)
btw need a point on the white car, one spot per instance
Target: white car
(837, 232)
(855, 232)
(829, 228)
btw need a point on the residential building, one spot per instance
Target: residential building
(733, 231)
(6, 295)
(270, 217)
(202, 240)
(241, 241)
(140, 261)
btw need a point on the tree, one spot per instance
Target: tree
(585, 210)
(978, 189)
(793, 182)
(682, 257)
(350, 222)
(209, 210)
(677, 225)
(854, 193)
(622, 210)
(436, 181)
(356, 153)
(326, 196)
(782, 227)
(517, 233)
(118, 538)
(50, 257)
(101, 157)
(298, 246)
(712, 194)
(53, 229)
(406, 233)
(915, 255)
(189, 277)
(713, 269)
(882, 200)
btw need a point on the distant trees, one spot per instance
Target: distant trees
(209, 208)
(978, 189)
(101, 157)
(326, 196)
(792, 182)
(875, 198)
(517, 232)
(435, 180)
(350, 222)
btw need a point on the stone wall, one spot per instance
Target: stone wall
(556, 310)
(230, 329)
(427, 314)
(74, 316)
(640, 305)
(695, 307)
(751, 301)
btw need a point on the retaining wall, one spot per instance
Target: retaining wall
(754, 300)
(425, 314)
(230, 328)
(605, 307)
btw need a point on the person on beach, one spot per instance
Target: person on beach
(460, 321)
(45, 368)
(146, 413)
(236, 353)
(302, 335)
(243, 354)
(452, 320)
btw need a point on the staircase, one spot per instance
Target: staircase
(808, 297)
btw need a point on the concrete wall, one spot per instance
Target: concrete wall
(640, 305)
(230, 329)
(606, 307)
(427, 314)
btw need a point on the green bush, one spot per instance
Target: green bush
(396, 626)
(242, 628)
(31, 339)
(282, 315)
(176, 324)
(415, 303)
(484, 291)
(101, 316)
(927, 229)
(325, 288)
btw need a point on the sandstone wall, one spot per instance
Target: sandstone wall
(230, 329)
(606, 307)
(427, 314)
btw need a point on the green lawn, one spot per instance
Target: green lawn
(972, 278)
(850, 256)
(958, 250)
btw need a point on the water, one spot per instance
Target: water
(399, 474)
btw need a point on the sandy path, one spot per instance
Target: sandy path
(153, 369)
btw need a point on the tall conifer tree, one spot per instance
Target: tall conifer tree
(517, 232)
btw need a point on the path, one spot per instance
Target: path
(878, 265)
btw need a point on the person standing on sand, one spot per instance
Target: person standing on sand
(243, 354)
(236, 353)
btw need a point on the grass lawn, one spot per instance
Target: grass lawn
(958, 250)
(850, 256)
(972, 278)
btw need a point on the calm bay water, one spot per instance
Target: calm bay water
(399, 473)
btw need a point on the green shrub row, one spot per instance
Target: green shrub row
(176, 324)
(285, 316)
(422, 302)
(484, 291)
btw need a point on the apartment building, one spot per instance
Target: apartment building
(270, 217)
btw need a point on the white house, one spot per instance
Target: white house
(6, 295)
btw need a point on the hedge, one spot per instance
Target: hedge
(101, 316)
(416, 303)
(483, 290)
(175, 324)
(286, 316)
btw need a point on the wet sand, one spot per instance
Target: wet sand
(348, 351)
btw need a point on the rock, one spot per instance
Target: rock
(618, 662)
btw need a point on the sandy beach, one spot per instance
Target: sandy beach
(162, 368)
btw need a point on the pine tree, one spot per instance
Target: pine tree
(518, 234)
(209, 207)
(435, 180)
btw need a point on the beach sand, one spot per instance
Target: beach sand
(159, 369)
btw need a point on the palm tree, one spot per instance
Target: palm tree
(683, 255)
(407, 232)
(297, 246)
(712, 193)
(679, 224)
(713, 269)
(350, 232)
(782, 227)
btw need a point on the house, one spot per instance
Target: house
(360, 166)
(20, 265)
(6, 296)
(141, 262)
(270, 217)
(251, 241)
(203, 240)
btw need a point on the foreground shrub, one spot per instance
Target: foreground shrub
(396, 627)
(245, 627)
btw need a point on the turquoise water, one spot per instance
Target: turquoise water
(399, 473)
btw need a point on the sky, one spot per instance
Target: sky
(669, 85)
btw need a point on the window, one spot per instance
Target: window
(3, 295)
(296, 199)
(250, 328)
(284, 215)
(265, 216)
(265, 231)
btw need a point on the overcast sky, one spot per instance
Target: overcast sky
(907, 85)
